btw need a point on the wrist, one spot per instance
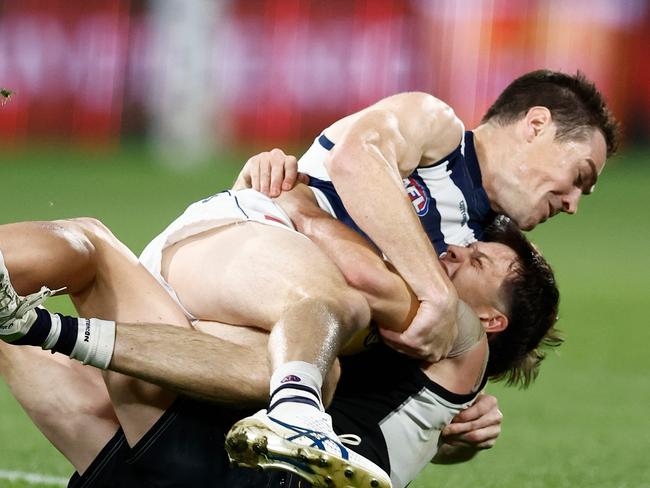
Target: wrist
(442, 296)
(300, 221)
(448, 454)
(240, 183)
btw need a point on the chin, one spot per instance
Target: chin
(529, 226)
(525, 224)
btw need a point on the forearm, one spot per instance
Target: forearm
(448, 454)
(364, 171)
(391, 301)
(192, 363)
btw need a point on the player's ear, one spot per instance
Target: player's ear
(538, 119)
(493, 320)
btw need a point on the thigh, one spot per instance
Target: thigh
(76, 416)
(247, 273)
(123, 290)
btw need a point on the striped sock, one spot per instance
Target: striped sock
(90, 341)
(296, 382)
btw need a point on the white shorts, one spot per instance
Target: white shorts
(210, 213)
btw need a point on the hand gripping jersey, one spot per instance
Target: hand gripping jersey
(447, 196)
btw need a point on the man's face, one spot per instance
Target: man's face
(550, 176)
(478, 272)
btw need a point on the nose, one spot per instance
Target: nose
(457, 254)
(570, 202)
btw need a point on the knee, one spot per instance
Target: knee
(356, 308)
(78, 235)
(85, 235)
(88, 228)
(78, 239)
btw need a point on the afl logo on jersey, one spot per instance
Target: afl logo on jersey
(418, 196)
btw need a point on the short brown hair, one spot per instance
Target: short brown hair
(531, 299)
(575, 103)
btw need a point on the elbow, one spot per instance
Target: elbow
(357, 152)
(336, 166)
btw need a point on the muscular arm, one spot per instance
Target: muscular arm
(367, 165)
(366, 169)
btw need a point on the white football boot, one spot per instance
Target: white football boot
(307, 447)
(17, 313)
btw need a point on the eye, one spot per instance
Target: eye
(579, 181)
(477, 263)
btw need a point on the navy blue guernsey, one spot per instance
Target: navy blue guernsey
(447, 196)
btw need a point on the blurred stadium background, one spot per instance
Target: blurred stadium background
(128, 110)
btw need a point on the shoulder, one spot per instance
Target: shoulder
(427, 121)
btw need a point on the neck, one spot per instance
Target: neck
(488, 143)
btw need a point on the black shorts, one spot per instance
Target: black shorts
(183, 449)
(109, 469)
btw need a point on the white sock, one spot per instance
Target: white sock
(90, 341)
(296, 384)
(95, 342)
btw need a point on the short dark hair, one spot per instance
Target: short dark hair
(575, 103)
(531, 298)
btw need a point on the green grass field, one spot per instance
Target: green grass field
(583, 424)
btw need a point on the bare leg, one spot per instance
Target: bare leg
(195, 361)
(44, 253)
(280, 280)
(78, 404)
(273, 278)
(105, 280)
(50, 253)
(123, 290)
(108, 282)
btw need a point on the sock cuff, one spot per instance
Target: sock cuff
(296, 382)
(95, 342)
(297, 372)
(55, 332)
(68, 332)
